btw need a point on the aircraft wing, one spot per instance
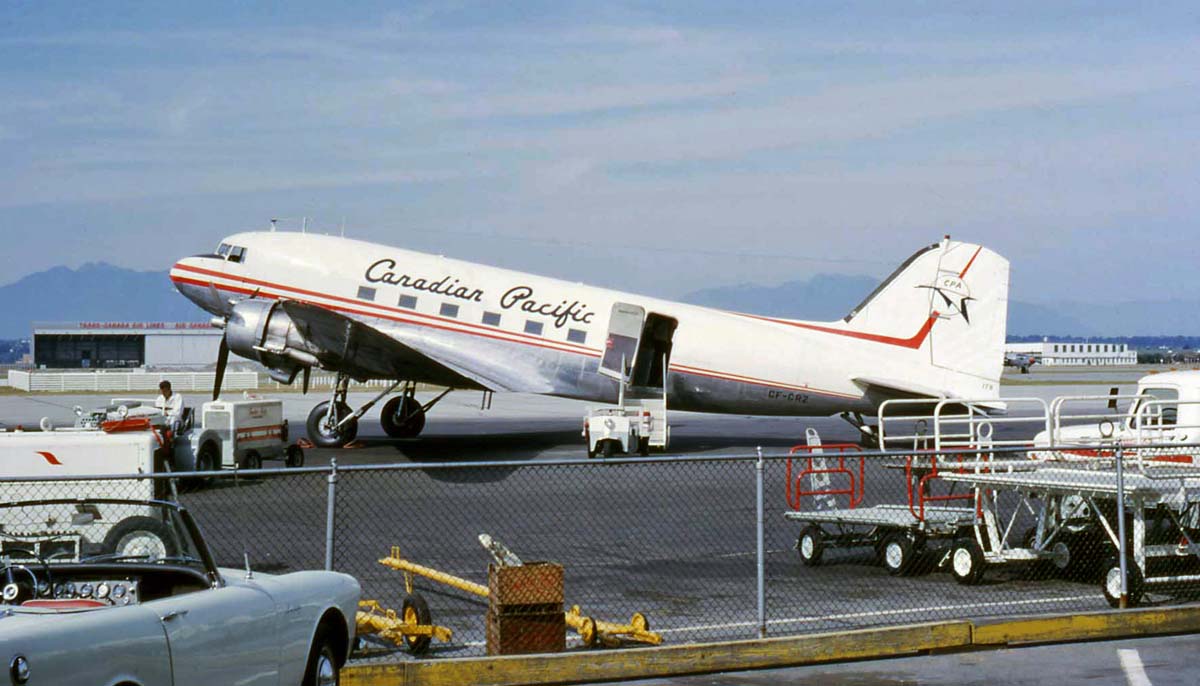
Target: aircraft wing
(366, 352)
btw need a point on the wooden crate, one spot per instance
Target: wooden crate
(525, 634)
(534, 583)
(525, 609)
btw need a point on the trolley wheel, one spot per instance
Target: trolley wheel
(966, 562)
(607, 448)
(1110, 582)
(295, 456)
(811, 545)
(644, 446)
(898, 554)
(1040, 568)
(416, 611)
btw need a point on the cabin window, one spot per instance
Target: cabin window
(577, 336)
(408, 302)
(491, 318)
(448, 310)
(237, 254)
(366, 293)
(533, 327)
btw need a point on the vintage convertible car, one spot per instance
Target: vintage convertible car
(125, 592)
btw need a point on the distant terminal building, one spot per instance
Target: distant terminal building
(106, 345)
(1056, 354)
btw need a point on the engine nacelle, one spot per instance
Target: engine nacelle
(260, 330)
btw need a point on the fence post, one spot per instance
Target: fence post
(331, 505)
(1121, 546)
(760, 544)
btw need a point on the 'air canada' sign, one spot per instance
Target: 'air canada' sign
(522, 298)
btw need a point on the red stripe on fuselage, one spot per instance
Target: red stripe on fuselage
(912, 342)
(485, 332)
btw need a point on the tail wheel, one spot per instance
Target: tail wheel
(811, 545)
(898, 554)
(402, 417)
(416, 611)
(966, 562)
(325, 437)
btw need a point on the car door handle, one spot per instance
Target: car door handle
(173, 614)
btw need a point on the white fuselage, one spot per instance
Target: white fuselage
(556, 330)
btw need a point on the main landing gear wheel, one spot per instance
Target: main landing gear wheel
(402, 417)
(811, 545)
(325, 436)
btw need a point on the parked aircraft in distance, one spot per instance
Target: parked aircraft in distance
(1023, 361)
(294, 301)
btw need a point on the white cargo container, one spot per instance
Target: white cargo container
(74, 453)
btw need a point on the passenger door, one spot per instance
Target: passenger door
(222, 636)
(621, 345)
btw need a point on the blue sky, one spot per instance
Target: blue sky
(659, 147)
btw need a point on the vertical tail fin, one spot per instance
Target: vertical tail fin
(958, 293)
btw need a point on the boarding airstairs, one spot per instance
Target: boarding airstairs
(638, 423)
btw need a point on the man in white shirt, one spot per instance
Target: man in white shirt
(171, 405)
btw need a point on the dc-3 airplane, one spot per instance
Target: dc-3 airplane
(294, 301)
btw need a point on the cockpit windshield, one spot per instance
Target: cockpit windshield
(231, 253)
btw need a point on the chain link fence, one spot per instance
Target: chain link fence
(673, 550)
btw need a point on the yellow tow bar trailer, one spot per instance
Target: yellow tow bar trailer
(593, 632)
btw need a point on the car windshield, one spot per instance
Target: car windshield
(83, 531)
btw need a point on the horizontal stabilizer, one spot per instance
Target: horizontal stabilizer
(891, 388)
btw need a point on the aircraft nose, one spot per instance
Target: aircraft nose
(194, 278)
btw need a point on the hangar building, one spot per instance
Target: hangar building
(1057, 353)
(76, 345)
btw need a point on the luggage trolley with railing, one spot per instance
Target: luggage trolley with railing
(831, 480)
(1060, 507)
(1162, 504)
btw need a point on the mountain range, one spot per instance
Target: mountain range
(95, 291)
(103, 292)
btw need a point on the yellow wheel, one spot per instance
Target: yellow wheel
(415, 612)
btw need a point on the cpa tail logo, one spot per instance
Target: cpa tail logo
(954, 292)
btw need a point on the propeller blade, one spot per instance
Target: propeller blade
(222, 361)
(307, 374)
